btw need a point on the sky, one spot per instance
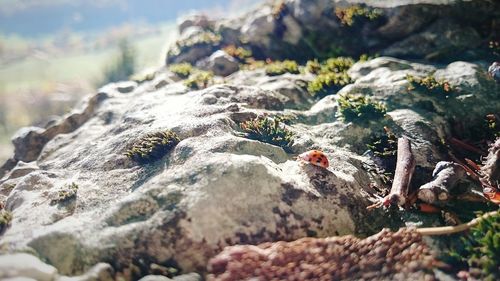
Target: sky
(32, 18)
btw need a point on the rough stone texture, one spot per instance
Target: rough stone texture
(220, 63)
(99, 272)
(384, 256)
(26, 266)
(442, 30)
(216, 188)
(494, 71)
(195, 20)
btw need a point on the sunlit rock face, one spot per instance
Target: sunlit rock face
(217, 188)
(443, 30)
(78, 203)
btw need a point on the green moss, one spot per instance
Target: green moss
(152, 146)
(328, 83)
(240, 53)
(268, 130)
(349, 15)
(252, 64)
(5, 219)
(480, 249)
(429, 84)
(360, 108)
(282, 67)
(385, 145)
(199, 80)
(337, 65)
(285, 118)
(183, 70)
(313, 66)
(67, 193)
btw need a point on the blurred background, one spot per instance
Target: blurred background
(54, 52)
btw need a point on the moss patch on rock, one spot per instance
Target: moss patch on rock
(360, 108)
(479, 250)
(152, 146)
(327, 84)
(5, 219)
(282, 67)
(348, 16)
(199, 80)
(430, 85)
(239, 53)
(183, 70)
(67, 193)
(268, 130)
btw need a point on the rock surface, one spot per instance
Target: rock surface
(442, 30)
(27, 266)
(176, 211)
(217, 188)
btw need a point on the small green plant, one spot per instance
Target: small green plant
(199, 80)
(348, 16)
(337, 65)
(123, 65)
(5, 219)
(152, 146)
(240, 53)
(480, 249)
(429, 84)
(328, 83)
(281, 67)
(252, 64)
(268, 130)
(68, 192)
(313, 66)
(385, 145)
(357, 108)
(183, 70)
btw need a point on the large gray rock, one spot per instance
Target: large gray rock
(26, 266)
(220, 63)
(440, 30)
(216, 188)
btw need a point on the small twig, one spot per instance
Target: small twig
(469, 171)
(405, 166)
(473, 164)
(461, 144)
(445, 176)
(444, 230)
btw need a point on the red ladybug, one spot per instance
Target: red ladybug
(314, 157)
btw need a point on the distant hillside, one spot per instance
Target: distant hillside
(36, 18)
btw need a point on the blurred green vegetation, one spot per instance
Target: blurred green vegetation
(43, 77)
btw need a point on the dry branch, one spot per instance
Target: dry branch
(445, 230)
(445, 176)
(405, 166)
